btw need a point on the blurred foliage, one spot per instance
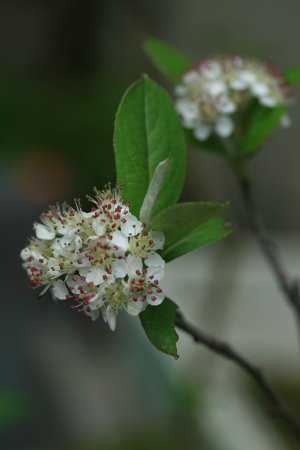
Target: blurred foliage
(15, 406)
(157, 439)
(253, 125)
(72, 117)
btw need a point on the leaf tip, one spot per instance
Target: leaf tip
(145, 77)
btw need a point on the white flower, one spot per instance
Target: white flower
(224, 126)
(202, 131)
(119, 239)
(189, 112)
(93, 275)
(102, 261)
(215, 89)
(210, 69)
(144, 282)
(44, 232)
(59, 290)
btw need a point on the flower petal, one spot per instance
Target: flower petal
(93, 275)
(156, 273)
(224, 126)
(225, 105)
(96, 303)
(155, 299)
(210, 70)
(73, 282)
(248, 77)
(260, 89)
(189, 112)
(25, 253)
(191, 77)
(158, 238)
(87, 215)
(155, 260)
(98, 227)
(93, 314)
(59, 290)
(267, 100)
(132, 226)
(134, 264)
(181, 90)
(135, 308)
(216, 88)
(119, 268)
(120, 240)
(111, 318)
(42, 232)
(238, 84)
(81, 262)
(202, 131)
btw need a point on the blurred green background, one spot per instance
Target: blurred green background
(67, 383)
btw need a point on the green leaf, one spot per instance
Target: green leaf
(292, 75)
(167, 59)
(211, 231)
(159, 325)
(262, 123)
(154, 190)
(148, 131)
(188, 226)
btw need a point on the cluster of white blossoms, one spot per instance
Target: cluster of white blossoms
(213, 90)
(103, 260)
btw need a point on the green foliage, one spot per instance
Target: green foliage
(188, 226)
(292, 75)
(168, 60)
(254, 125)
(159, 325)
(262, 123)
(154, 190)
(15, 406)
(72, 119)
(147, 132)
(207, 233)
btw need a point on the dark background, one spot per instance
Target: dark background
(64, 65)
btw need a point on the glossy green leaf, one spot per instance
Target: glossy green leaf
(159, 325)
(292, 75)
(147, 132)
(209, 232)
(167, 59)
(261, 124)
(187, 226)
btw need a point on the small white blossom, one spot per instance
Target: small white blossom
(103, 261)
(212, 93)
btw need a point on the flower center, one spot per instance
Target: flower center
(140, 245)
(114, 295)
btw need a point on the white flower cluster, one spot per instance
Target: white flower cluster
(212, 91)
(103, 260)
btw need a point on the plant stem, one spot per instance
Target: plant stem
(288, 286)
(228, 352)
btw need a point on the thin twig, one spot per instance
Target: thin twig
(228, 352)
(289, 287)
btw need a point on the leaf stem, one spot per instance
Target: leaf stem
(224, 349)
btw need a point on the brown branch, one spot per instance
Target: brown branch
(228, 352)
(288, 286)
